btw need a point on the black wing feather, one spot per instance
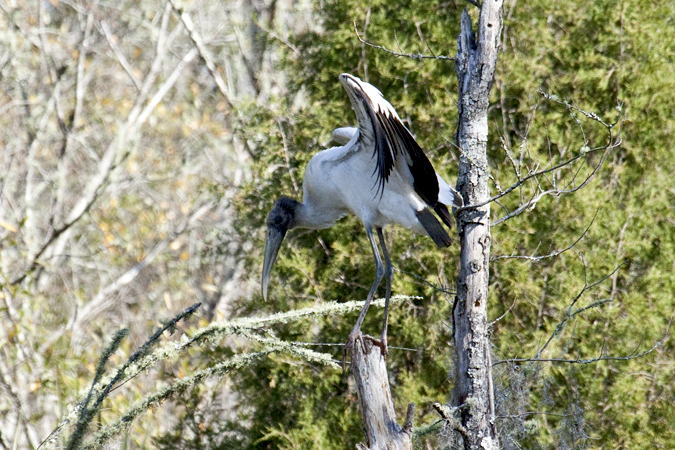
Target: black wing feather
(383, 151)
(434, 228)
(425, 182)
(442, 212)
(392, 138)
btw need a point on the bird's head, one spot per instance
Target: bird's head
(280, 219)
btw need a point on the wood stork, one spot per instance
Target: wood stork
(381, 175)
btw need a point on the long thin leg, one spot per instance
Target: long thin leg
(388, 273)
(379, 274)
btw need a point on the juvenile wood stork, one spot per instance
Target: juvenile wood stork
(381, 175)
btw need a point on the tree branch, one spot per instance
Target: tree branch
(602, 357)
(534, 173)
(553, 254)
(119, 55)
(404, 55)
(203, 52)
(102, 301)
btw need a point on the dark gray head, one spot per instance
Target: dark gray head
(280, 219)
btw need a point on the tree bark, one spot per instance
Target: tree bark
(475, 67)
(379, 416)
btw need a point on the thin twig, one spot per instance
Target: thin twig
(404, 55)
(633, 355)
(428, 283)
(569, 313)
(287, 157)
(203, 52)
(119, 55)
(553, 254)
(503, 315)
(274, 35)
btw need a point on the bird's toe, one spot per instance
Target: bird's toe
(382, 344)
(383, 347)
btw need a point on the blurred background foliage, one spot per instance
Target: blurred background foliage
(236, 154)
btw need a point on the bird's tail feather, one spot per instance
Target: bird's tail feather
(434, 227)
(444, 214)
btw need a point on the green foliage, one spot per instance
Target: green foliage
(591, 54)
(611, 58)
(191, 388)
(302, 406)
(87, 413)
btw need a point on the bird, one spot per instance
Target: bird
(379, 174)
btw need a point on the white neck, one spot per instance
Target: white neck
(309, 216)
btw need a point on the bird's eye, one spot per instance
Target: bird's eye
(278, 220)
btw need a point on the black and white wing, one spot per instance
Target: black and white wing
(392, 139)
(394, 144)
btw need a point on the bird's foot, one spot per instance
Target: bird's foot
(354, 336)
(383, 347)
(381, 343)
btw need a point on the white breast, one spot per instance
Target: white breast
(349, 182)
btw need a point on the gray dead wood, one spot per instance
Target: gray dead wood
(475, 68)
(379, 416)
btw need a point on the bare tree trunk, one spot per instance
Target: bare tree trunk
(379, 416)
(475, 67)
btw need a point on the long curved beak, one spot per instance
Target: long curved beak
(275, 237)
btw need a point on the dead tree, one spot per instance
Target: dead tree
(475, 68)
(379, 418)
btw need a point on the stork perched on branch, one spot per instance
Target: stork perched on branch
(381, 175)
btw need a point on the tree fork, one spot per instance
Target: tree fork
(475, 68)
